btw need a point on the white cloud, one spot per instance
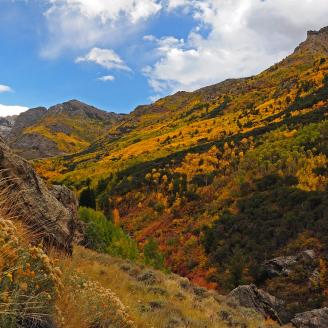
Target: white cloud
(149, 37)
(11, 110)
(233, 39)
(173, 4)
(5, 88)
(81, 24)
(107, 78)
(106, 58)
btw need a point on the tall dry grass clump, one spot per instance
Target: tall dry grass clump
(86, 304)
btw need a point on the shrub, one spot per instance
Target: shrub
(29, 281)
(152, 255)
(102, 235)
(88, 198)
(85, 303)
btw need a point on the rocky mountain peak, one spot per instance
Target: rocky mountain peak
(77, 108)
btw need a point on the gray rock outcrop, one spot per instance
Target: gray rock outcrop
(25, 120)
(282, 266)
(51, 215)
(6, 125)
(312, 319)
(250, 296)
(33, 146)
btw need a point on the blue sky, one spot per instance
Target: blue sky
(116, 55)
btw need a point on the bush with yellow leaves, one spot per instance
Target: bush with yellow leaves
(85, 303)
(29, 281)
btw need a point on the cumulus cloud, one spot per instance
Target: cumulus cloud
(173, 4)
(107, 78)
(106, 58)
(11, 110)
(5, 88)
(81, 24)
(232, 39)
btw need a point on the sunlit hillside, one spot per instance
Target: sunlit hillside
(223, 178)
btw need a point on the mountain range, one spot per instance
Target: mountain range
(61, 129)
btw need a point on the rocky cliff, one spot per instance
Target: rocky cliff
(51, 214)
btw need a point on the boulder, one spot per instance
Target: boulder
(312, 319)
(282, 266)
(250, 296)
(50, 214)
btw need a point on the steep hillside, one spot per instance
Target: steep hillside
(62, 129)
(186, 169)
(45, 285)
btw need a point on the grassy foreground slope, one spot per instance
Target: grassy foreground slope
(150, 297)
(92, 290)
(233, 171)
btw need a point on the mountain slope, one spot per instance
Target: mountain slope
(186, 168)
(62, 129)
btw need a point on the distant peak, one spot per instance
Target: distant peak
(75, 107)
(74, 101)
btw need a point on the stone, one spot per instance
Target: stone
(312, 319)
(250, 296)
(282, 266)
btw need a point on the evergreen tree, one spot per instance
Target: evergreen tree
(88, 198)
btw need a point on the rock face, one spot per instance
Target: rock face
(51, 214)
(312, 319)
(25, 120)
(32, 146)
(250, 296)
(6, 125)
(282, 266)
(68, 199)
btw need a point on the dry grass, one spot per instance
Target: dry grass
(152, 299)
